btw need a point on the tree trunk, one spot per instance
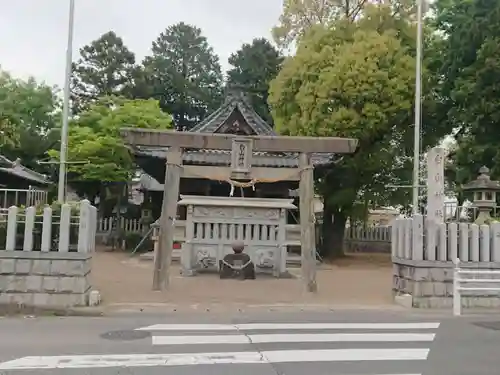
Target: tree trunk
(333, 229)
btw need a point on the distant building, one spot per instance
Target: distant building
(20, 185)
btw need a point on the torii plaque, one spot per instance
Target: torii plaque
(242, 148)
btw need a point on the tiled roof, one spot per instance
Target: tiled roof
(15, 168)
(234, 100)
(223, 157)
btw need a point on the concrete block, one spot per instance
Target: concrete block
(7, 266)
(439, 288)
(80, 285)
(16, 284)
(5, 298)
(420, 302)
(439, 302)
(41, 299)
(4, 281)
(50, 283)
(437, 274)
(408, 272)
(421, 274)
(425, 289)
(66, 284)
(80, 299)
(22, 298)
(60, 300)
(23, 266)
(405, 300)
(34, 283)
(67, 300)
(59, 267)
(401, 284)
(409, 286)
(41, 267)
(77, 268)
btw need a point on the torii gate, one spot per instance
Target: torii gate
(242, 148)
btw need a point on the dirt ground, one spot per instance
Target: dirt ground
(357, 280)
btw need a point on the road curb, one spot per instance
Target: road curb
(12, 309)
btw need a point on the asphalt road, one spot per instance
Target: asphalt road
(335, 343)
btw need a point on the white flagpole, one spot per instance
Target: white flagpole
(61, 191)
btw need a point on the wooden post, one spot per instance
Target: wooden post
(307, 243)
(163, 258)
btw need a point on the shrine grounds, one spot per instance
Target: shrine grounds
(357, 281)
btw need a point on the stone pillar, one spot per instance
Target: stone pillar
(435, 184)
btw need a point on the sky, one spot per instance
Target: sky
(33, 33)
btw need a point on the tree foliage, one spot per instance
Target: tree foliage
(253, 67)
(355, 80)
(105, 67)
(96, 152)
(468, 61)
(28, 119)
(183, 74)
(299, 16)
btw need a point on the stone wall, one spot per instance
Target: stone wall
(367, 246)
(430, 283)
(34, 278)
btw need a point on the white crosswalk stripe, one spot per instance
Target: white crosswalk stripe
(262, 343)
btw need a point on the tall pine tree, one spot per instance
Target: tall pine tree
(254, 66)
(106, 67)
(184, 74)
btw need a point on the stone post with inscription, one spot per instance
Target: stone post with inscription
(435, 213)
(435, 184)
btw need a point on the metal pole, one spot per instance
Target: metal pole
(418, 108)
(61, 190)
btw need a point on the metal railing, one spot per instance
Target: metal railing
(471, 277)
(22, 197)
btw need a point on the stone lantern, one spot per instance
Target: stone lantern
(484, 191)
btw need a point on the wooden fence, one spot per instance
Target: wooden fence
(416, 239)
(365, 233)
(126, 225)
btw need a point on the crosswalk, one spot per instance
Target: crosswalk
(341, 345)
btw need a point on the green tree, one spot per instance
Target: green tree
(253, 68)
(468, 61)
(300, 16)
(95, 144)
(354, 80)
(29, 116)
(106, 67)
(184, 74)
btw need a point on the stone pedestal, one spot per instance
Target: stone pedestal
(44, 279)
(430, 283)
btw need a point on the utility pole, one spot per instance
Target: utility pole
(61, 189)
(418, 109)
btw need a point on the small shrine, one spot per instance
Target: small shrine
(484, 192)
(234, 177)
(213, 172)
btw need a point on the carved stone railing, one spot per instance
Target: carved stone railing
(213, 224)
(292, 235)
